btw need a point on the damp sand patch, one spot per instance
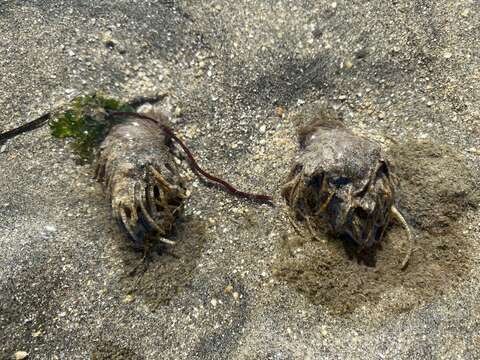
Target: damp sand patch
(167, 271)
(436, 190)
(112, 351)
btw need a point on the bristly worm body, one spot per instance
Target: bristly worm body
(193, 163)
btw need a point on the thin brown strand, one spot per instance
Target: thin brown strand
(32, 125)
(193, 163)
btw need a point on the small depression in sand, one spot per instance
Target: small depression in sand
(436, 190)
(167, 271)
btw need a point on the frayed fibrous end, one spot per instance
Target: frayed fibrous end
(341, 183)
(142, 181)
(331, 203)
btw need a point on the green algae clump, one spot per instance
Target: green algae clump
(87, 122)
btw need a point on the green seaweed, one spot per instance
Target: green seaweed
(87, 122)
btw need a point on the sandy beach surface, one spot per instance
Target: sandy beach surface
(239, 77)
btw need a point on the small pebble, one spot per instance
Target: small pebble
(128, 299)
(107, 39)
(50, 228)
(122, 50)
(361, 53)
(3, 148)
(214, 302)
(20, 355)
(263, 128)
